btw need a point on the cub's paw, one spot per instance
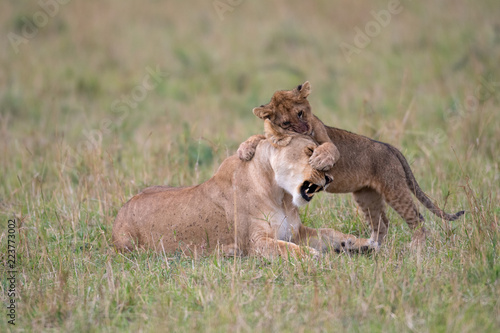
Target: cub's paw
(323, 158)
(247, 149)
(418, 239)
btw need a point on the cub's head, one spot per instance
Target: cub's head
(289, 109)
(289, 159)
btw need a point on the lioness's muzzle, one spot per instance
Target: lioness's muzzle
(308, 189)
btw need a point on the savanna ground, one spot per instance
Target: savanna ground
(82, 131)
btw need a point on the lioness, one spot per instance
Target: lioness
(373, 171)
(247, 208)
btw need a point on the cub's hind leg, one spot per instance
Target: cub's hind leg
(401, 201)
(372, 204)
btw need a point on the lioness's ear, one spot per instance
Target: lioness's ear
(309, 150)
(276, 134)
(262, 112)
(304, 89)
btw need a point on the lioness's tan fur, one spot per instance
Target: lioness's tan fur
(375, 172)
(246, 207)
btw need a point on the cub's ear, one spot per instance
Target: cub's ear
(276, 134)
(304, 89)
(263, 112)
(309, 150)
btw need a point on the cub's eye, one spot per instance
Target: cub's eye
(286, 124)
(300, 114)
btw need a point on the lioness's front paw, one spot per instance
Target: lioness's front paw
(312, 253)
(373, 245)
(362, 245)
(322, 159)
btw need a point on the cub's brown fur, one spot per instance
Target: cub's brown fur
(245, 208)
(375, 172)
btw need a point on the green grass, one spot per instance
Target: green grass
(429, 84)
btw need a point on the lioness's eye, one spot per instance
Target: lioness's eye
(286, 124)
(300, 114)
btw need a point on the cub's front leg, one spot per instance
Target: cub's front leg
(246, 150)
(324, 157)
(326, 154)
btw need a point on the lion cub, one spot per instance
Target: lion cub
(375, 172)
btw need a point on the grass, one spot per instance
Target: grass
(429, 84)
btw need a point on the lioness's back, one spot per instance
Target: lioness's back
(171, 216)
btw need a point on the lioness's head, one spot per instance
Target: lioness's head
(289, 109)
(290, 162)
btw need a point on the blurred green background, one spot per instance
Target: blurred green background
(414, 85)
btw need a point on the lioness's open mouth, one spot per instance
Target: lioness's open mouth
(308, 189)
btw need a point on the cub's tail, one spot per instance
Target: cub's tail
(417, 191)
